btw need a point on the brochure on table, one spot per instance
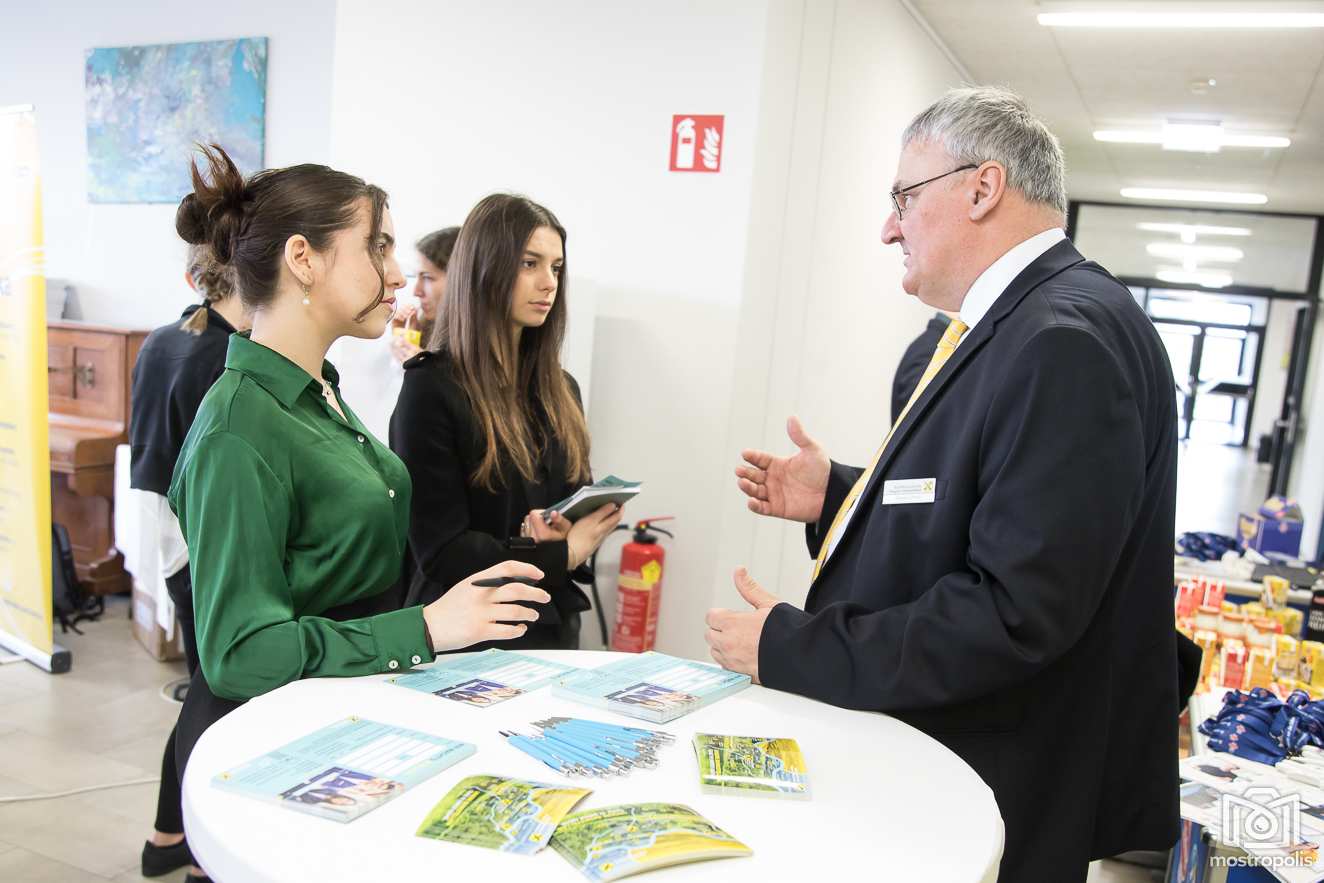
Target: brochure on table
(750, 765)
(346, 769)
(617, 841)
(509, 815)
(652, 686)
(485, 678)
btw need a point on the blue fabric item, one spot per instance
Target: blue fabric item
(1259, 726)
(1205, 546)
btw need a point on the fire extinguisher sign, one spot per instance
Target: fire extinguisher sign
(696, 142)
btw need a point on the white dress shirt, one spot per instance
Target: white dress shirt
(979, 299)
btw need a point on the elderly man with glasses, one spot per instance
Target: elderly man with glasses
(1000, 575)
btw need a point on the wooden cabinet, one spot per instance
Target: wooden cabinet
(89, 371)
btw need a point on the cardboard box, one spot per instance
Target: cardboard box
(1275, 528)
(149, 633)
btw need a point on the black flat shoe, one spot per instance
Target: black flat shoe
(161, 860)
(194, 878)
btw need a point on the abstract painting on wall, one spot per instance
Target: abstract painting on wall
(147, 106)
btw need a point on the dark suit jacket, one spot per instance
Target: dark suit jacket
(457, 528)
(914, 360)
(1024, 618)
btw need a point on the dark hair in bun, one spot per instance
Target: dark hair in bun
(247, 222)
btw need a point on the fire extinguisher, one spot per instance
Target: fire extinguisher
(639, 590)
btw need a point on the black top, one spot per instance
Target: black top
(457, 528)
(173, 372)
(913, 362)
(1022, 615)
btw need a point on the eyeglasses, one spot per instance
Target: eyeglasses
(902, 197)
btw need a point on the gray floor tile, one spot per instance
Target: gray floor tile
(32, 867)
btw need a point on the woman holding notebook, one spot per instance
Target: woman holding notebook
(491, 427)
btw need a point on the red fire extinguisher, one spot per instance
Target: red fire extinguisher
(639, 591)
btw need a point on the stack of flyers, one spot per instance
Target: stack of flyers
(344, 770)
(504, 814)
(485, 678)
(616, 841)
(752, 765)
(652, 686)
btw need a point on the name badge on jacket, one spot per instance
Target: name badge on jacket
(910, 490)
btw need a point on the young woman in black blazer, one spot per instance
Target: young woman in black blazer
(492, 429)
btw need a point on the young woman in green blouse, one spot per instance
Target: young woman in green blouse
(294, 515)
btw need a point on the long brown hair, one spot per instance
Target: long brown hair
(247, 222)
(511, 391)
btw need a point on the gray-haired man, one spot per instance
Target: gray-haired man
(1001, 575)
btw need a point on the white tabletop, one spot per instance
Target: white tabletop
(887, 801)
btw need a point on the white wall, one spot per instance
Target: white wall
(125, 261)
(1277, 345)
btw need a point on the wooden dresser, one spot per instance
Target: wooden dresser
(89, 374)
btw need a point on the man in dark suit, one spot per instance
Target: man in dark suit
(1001, 576)
(914, 360)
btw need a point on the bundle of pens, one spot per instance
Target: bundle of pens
(577, 747)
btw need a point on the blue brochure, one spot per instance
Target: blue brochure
(652, 686)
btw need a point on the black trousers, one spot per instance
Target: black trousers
(169, 809)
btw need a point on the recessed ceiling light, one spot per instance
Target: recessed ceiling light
(1206, 278)
(1199, 137)
(1181, 251)
(1132, 18)
(1188, 232)
(1180, 195)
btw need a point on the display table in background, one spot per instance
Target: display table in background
(887, 801)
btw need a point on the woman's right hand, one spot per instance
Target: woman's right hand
(589, 532)
(470, 614)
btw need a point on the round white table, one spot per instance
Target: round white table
(887, 801)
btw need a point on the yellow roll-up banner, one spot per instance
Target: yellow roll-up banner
(25, 493)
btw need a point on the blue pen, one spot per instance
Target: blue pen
(594, 758)
(525, 744)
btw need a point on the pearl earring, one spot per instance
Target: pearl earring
(306, 289)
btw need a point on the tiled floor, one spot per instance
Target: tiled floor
(1214, 483)
(105, 721)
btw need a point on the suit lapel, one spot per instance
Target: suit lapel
(1049, 264)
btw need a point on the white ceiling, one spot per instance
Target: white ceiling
(1082, 79)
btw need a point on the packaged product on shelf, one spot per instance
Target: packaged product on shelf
(1208, 644)
(1233, 627)
(1233, 670)
(1189, 597)
(1214, 593)
(1287, 652)
(1206, 618)
(1275, 591)
(1259, 668)
(1311, 667)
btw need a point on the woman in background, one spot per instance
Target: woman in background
(295, 516)
(490, 426)
(434, 257)
(176, 366)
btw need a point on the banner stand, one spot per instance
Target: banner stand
(56, 662)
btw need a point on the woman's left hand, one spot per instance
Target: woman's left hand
(541, 531)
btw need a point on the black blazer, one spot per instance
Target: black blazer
(1024, 618)
(173, 372)
(457, 528)
(914, 360)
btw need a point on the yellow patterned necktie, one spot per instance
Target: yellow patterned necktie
(950, 338)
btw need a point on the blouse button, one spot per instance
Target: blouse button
(392, 665)
(360, 439)
(417, 659)
(391, 491)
